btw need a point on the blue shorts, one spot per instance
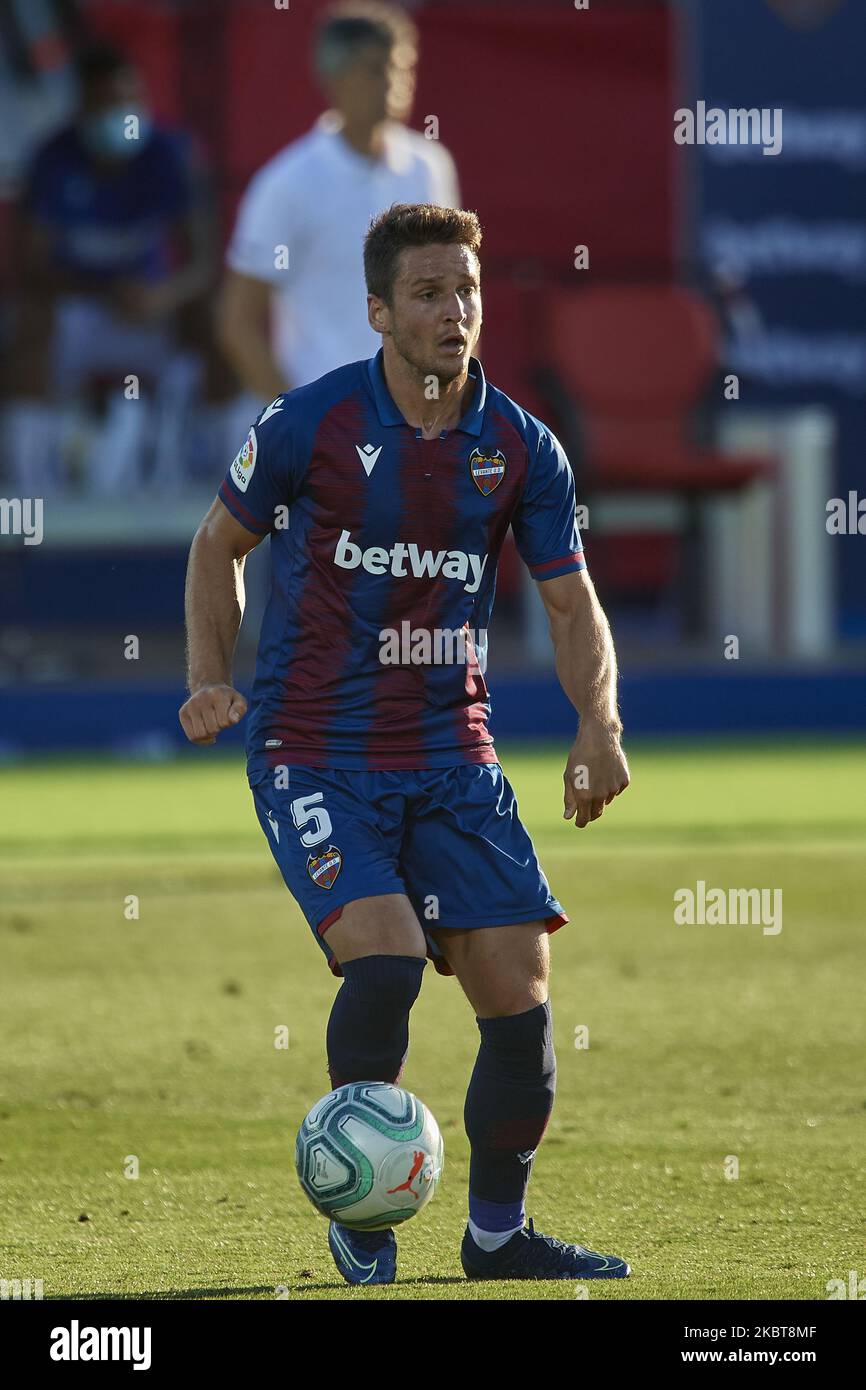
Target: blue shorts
(449, 838)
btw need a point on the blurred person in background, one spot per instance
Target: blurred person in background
(114, 251)
(294, 303)
(38, 41)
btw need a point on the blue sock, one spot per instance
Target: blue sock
(492, 1224)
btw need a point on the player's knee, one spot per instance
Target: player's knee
(512, 980)
(384, 924)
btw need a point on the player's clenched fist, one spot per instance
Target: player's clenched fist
(209, 710)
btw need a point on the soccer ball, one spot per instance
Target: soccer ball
(369, 1155)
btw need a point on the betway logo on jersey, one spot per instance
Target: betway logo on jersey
(406, 559)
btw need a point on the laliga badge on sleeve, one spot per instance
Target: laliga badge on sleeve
(245, 462)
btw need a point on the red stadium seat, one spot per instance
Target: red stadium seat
(627, 367)
(636, 361)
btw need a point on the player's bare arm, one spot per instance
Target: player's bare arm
(214, 608)
(586, 668)
(244, 328)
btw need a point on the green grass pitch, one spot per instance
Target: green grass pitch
(154, 1038)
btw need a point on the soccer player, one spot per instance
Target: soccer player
(387, 488)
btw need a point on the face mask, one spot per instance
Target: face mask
(111, 134)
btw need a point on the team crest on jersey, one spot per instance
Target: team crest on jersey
(487, 469)
(323, 868)
(245, 462)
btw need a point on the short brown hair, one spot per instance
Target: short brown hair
(412, 224)
(344, 28)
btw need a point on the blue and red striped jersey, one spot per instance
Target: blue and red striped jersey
(384, 548)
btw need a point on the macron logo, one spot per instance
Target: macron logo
(451, 564)
(273, 409)
(368, 456)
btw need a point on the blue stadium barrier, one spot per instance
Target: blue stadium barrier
(142, 720)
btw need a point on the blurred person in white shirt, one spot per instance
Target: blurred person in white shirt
(294, 304)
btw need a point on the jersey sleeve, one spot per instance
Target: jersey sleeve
(263, 225)
(263, 474)
(545, 522)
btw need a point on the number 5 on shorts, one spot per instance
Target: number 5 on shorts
(304, 809)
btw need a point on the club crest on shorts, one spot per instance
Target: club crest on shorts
(487, 469)
(323, 868)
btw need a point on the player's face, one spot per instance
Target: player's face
(435, 317)
(379, 83)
